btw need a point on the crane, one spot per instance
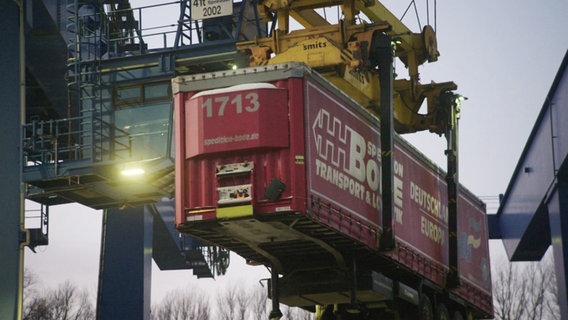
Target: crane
(346, 54)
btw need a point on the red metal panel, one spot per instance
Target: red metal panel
(297, 146)
(474, 245)
(201, 181)
(227, 120)
(255, 132)
(343, 163)
(326, 151)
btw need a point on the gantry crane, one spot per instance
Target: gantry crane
(345, 53)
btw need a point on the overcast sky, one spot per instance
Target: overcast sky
(503, 55)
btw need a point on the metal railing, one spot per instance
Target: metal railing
(115, 31)
(74, 139)
(131, 30)
(37, 224)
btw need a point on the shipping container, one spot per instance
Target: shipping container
(279, 166)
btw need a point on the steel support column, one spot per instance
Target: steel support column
(11, 211)
(558, 215)
(385, 59)
(125, 267)
(452, 181)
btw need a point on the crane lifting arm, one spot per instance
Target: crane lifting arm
(345, 53)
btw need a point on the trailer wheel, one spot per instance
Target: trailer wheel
(425, 310)
(458, 316)
(346, 312)
(327, 314)
(442, 313)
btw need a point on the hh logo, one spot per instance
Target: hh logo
(339, 145)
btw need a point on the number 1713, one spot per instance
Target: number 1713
(220, 103)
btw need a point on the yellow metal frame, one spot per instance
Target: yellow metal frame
(341, 53)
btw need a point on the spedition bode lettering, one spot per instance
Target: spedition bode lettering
(339, 179)
(343, 159)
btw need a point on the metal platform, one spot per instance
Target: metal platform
(84, 128)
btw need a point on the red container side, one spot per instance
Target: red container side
(343, 166)
(232, 126)
(319, 152)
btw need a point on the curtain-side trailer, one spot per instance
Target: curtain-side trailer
(279, 166)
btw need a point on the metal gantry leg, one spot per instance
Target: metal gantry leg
(12, 236)
(125, 267)
(558, 215)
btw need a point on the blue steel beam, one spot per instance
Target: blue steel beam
(558, 211)
(534, 211)
(166, 241)
(522, 216)
(125, 265)
(175, 251)
(47, 97)
(11, 253)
